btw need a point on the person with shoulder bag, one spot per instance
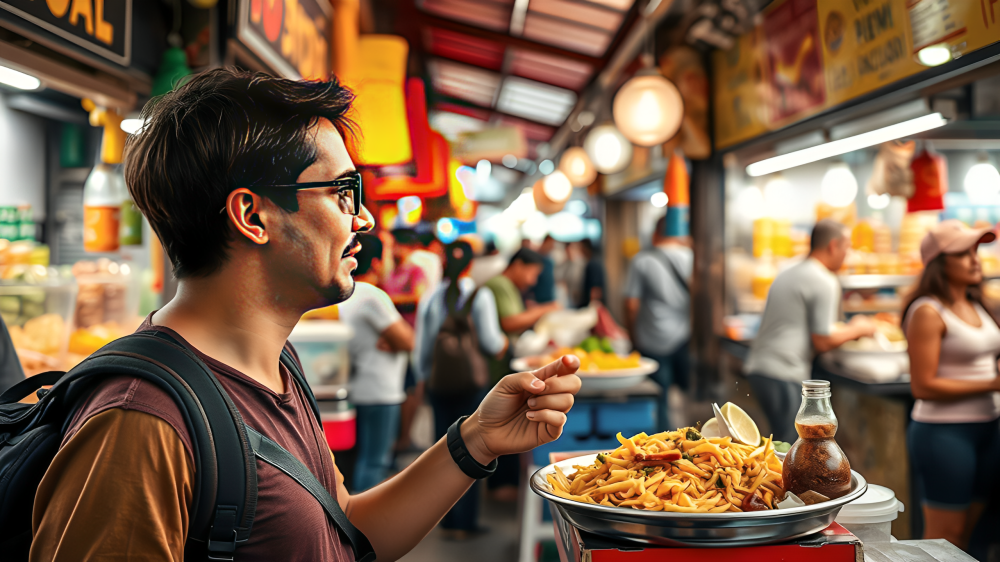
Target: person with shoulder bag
(197, 438)
(456, 324)
(953, 342)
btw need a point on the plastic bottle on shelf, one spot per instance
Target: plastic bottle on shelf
(863, 236)
(782, 242)
(763, 236)
(102, 201)
(763, 275)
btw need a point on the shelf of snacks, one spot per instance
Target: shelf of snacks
(107, 306)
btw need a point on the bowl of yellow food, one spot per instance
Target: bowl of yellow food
(599, 369)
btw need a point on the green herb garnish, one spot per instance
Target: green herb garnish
(693, 435)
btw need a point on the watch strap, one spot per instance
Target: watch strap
(460, 453)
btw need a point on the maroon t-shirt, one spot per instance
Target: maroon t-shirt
(289, 523)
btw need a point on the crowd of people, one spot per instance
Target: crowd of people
(437, 323)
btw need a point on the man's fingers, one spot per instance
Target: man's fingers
(558, 402)
(566, 384)
(565, 365)
(549, 417)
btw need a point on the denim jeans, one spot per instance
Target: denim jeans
(378, 428)
(447, 409)
(673, 366)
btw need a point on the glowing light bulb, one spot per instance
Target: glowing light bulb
(557, 187)
(648, 109)
(879, 202)
(982, 181)
(659, 199)
(934, 55)
(608, 149)
(839, 187)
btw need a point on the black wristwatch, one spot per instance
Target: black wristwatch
(464, 460)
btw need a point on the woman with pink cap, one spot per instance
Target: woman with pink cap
(954, 342)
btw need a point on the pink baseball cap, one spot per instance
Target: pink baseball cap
(952, 237)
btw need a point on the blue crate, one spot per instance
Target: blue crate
(631, 417)
(579, 421)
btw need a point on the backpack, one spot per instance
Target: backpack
(458, 367)
(225, 449)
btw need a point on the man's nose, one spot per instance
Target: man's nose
(364, 222)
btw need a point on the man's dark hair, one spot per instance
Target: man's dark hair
(526, 256)
(371, 249)
(826, 231)
(660, 230)
(406, 236)
(222, 130)
(426, 238)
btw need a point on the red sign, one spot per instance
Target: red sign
(795, 67)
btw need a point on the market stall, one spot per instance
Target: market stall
(886, 124)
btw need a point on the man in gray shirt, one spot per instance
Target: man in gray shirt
(802, 307)
(658, 310)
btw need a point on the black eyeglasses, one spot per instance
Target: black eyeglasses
(349, 196)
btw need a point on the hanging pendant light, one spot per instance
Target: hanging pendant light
(839, 187)
(648, 109)
(608, 149)
(551, 192)
(982, 181)
(577, 166)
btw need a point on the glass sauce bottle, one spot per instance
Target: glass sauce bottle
(815, 462)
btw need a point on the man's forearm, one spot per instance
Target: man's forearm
(398, 514)
(520, 322)
(837, 338)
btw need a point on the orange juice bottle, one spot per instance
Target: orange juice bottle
(102, 201)
(763, 236)
(863, 236)
(763, 275)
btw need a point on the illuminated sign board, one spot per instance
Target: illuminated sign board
(291, 36)
(103, 27)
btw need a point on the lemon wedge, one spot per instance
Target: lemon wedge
(711, 428)
(742, 426)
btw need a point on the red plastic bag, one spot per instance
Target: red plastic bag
(930, 182)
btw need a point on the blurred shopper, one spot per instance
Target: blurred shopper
(802, 307)
(120, 486)
(428, 256)
(378, 353)
(592, 289)
(570, 273)
(487, 266)
(407, 282)
(456, 324)
(544, 290)
(953, 345)
(521, 274)
(11, 372)
(658, 311)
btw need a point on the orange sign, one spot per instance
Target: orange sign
(290, 36)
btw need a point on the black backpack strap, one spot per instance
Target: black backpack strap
(225, 494)
(291, 362)
(276, 456)
(28, 386)
(671, 268)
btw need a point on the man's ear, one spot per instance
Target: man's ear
(243, 207)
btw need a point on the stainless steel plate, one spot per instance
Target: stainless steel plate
(693, 529)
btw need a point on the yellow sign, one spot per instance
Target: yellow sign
(866, 45)
(740, 111)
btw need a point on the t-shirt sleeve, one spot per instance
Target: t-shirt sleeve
(823, 307)
(633, 280)
(503, 303)
(378, 309)
(119, 489)
(484, 316)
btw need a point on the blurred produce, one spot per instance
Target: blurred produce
(596, 359)
(36, 303)
(106, 293)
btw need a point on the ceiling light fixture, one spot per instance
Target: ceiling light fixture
(608, 149)
(577, 166)
(839, 187)
(843, 146)
(982, 181)
(19, 80)
(659, 199)
(879, 202)
(648, 109)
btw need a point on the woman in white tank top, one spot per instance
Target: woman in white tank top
(954, 343)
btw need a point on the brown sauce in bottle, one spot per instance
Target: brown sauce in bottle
(815, 462)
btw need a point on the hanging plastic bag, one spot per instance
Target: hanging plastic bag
(930, 182)
(892, 173)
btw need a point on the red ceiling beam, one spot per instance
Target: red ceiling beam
(426, 19)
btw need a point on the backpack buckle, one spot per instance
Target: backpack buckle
(220, 545)
(222, 550)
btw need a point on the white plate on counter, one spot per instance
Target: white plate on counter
(602, 380)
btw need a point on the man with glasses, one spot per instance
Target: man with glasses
(271, 154)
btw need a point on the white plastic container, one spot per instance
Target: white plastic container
(322, 348)
(870, 517)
